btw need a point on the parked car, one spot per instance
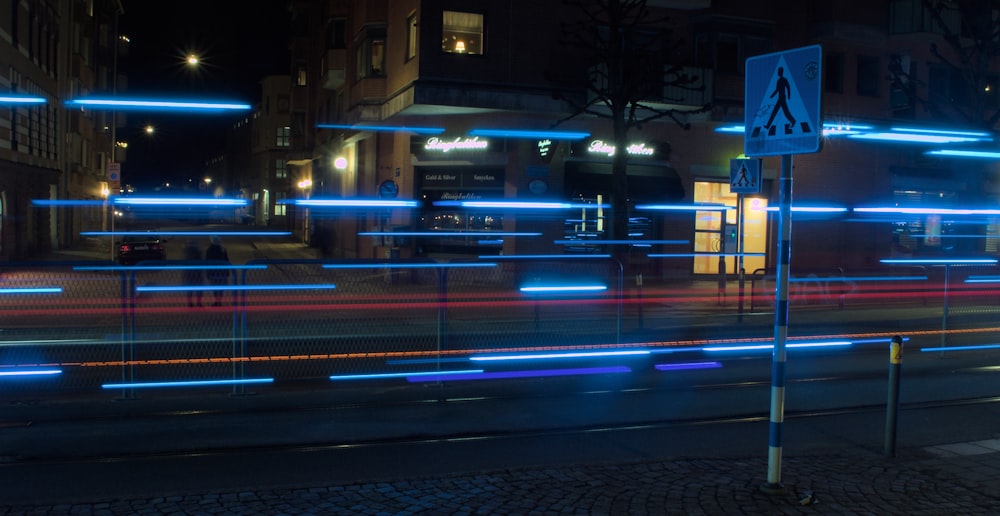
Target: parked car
(132, 250)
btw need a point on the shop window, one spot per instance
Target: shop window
(712, 237)
(462, 33)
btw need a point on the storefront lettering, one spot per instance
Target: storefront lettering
(636, 149)
(440, 177)
(460, 196)
(458, 143)
(483, 177)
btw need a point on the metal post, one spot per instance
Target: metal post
(944, 314)
(773, 485)
(892, 402)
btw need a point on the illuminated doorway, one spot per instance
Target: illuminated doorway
(710, 236)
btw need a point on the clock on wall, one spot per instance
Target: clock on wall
(388, 189)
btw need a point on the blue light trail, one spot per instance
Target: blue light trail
(533, 373)
(31, 290)
(961, 348)
(531, 134)
(186, 383)
(558, 289)
(352, 203)
(187, 233)
(939, 261)
(451, 234)
(395, 265)
(158, 105)
(232, 288)
(21, 99)
(29, 372)
(520, 205)
(622, 242)
(687, 366)
(180, 201)
(390, 128)
(384, 376)
(559, 356)
(540, 257)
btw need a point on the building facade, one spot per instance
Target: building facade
(418, 99)
(54, 50)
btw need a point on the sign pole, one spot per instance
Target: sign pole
(773, 485)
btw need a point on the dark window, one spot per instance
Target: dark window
(833, 73)
(868, 76)
(336, 36)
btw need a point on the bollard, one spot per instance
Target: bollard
(892, 403)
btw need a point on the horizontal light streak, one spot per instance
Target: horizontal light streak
(550, 356)
(527, 133)
(531, 257)
(231, 288)
(983, 279)
(21, 99)
(686, 366)
(66, 202)
(944, 132)
(762, 347)
(31, 290)
(856, 278)
(961, 348)
(159, 105)
(806, 209)
(939, 261)
(352, 203)
(522, 205)
(187, 233)
(926, 211)
(180, 201)
(396, 265)
(912, 137)
(530, 373)
(621, 242)
(186, 383)
(685, 207)
(29, 372)
(390, 128)
(447, 234)
(556, 289)
(384, 376)
(702, 254)
(205, 266)
(965, 153)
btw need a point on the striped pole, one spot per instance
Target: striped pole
(773, 485)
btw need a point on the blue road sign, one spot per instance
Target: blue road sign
(744, 175)
(784, 102)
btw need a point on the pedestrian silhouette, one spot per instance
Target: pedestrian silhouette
(217, 254)
(193, 277)
(783, 90)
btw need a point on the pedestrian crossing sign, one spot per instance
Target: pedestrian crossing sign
(745, 176)
(784, 103)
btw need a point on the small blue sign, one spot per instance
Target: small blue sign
(784, 103)
(745, 176)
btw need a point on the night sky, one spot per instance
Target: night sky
(239, 43)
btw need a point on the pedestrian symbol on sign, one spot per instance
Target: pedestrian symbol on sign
(784, 100)
(783, 103)
(744, 176)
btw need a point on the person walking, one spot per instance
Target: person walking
(193, 277)
(216, 253)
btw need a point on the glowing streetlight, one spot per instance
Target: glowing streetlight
(192, 60)
(149, 130)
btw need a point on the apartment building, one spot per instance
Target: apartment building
(53, 51)
(419, 100)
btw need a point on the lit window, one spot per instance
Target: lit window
(284, 136)
(462, 33)
(300, 75)
(280, 169)
(371, 57)
(411, 36)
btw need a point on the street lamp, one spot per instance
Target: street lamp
(306, 186)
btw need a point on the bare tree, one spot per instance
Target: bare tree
(970, 31)
(629, 56)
